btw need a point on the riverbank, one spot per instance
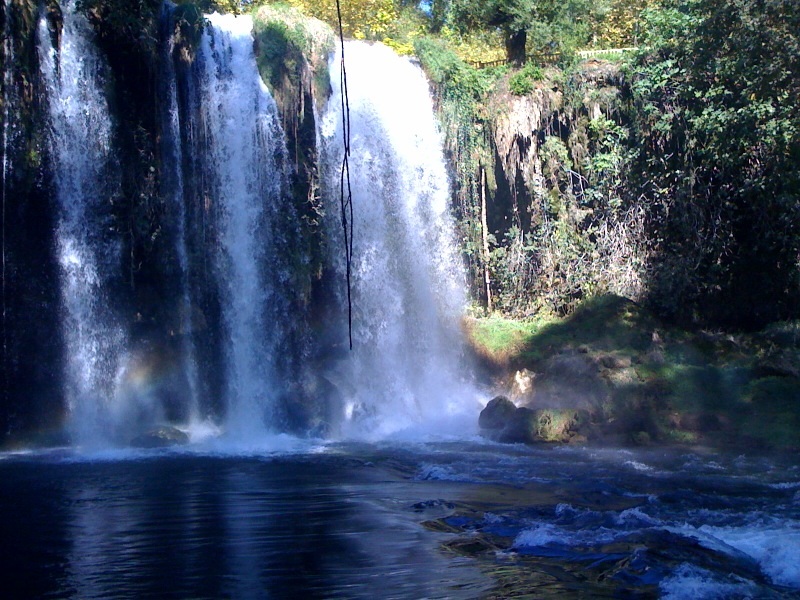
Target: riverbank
(614, 373)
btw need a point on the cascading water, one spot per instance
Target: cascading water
(406, 369)
(244, 159)
(88, 252)
(173, 190)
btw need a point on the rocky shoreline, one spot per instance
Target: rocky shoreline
(613, 374)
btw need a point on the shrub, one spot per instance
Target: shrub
(521, 83)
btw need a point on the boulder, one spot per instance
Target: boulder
(497, 413)
(160, 437)
(503, 422)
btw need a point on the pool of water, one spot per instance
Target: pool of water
(462, 519)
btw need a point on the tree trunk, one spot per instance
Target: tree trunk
(515, 47)
(485, 235)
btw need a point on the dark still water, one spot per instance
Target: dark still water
(456, 520)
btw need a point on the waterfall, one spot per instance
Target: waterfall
(174, 191)
(88, 251)
(408, 281)
(244, 157)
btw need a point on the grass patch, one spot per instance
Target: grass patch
(607, 323)
(522, 82)
(500, 339)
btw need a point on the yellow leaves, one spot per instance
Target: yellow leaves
(618, 28)
(361, 19)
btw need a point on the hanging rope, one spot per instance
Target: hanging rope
(345, 191)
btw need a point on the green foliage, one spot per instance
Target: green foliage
(462, 105)
(521, 83)
(188, 25)
(619, 25)
(719, 143)
(458, 81)
(555, 159)
(528, 25)
(361, 19)
(289, 45)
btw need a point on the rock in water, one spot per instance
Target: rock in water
(160, 437)
(502, 421)
(497, 413)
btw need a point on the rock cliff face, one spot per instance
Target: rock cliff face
(29, 282)
(557, 229)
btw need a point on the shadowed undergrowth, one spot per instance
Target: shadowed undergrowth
(644, 381)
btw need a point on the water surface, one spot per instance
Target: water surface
(443, 520)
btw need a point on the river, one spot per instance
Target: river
(445, 519)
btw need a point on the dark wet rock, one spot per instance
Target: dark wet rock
(530, 426)
(160, 437)
(497, 413)
(472, 546)
(700, 421)
(653, 554)
(309, 407)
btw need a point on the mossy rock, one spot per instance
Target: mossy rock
(528, 426)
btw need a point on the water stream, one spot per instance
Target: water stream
(88, 250)
(244, 157)
(407, 368)
(173, 189)
(453, 520)
(8, 95)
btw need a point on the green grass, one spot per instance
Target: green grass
(607, 323)
(501, 339)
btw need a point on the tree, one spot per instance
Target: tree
(718, 124)
(513, 17)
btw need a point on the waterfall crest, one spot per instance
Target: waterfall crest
(408, 280)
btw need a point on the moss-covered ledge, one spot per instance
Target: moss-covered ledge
(292, 53)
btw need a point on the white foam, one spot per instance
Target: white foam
(693, 582)
(785, 485)
(638, 465)
(540, 535)
(775, 545)
(775, 548)
(636, 517)
(543, 534)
